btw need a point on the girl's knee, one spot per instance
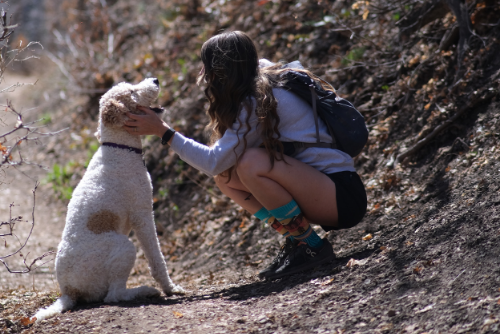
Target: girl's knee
(220, 181)
(253, 160)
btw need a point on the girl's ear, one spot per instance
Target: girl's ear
(113, 113)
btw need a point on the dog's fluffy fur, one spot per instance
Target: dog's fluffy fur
(95, 256)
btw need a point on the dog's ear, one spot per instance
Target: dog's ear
(113, 113)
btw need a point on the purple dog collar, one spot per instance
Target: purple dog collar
(124, 147)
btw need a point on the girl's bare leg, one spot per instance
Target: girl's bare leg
(255, 184)
(238, 192)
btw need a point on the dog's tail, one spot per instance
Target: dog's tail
(62, 304)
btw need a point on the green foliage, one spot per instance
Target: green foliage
(61, 175)
(60, 178)
(385, 88)
(353, 55)
(179, 166)
(346, 13)
(46, 119)
(396, 16)
(53, 297)
(163, 193)
(171, 14)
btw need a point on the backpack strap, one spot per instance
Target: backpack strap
(314, 97)
(333, 144)
(301, 145)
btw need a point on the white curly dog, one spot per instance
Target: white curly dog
(95, 255)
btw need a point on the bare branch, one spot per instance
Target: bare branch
(7, 151)
(11, 223)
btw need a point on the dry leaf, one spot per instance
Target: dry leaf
(417, 269)
(375, 208)
(178, 314)
(414, 60)
(353, 262)
(409, 217)
(367, 237)
(27, 321)
(328, 282)
(383, 248)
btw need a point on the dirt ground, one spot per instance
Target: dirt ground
(428, 266)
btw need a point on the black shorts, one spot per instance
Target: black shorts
(351, 199)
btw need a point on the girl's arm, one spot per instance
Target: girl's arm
(210, 160)
(222, 155)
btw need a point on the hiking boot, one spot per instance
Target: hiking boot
(278, 261)
(303, 257)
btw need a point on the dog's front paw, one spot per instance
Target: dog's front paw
(175, 290)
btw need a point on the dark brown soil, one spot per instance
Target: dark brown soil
(425, 259)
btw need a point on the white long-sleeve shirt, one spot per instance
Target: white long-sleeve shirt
(296, 124)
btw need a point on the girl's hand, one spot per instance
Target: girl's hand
(148, 124)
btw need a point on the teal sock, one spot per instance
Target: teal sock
(263, 215)
(313, 240)
(286, 211)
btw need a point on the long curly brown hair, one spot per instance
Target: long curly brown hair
(232, 75)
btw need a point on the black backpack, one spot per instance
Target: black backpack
(345, 124)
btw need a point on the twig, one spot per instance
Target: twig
(6, 158)
(453, 281)
(61, 66)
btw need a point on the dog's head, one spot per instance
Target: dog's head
(125, 97)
